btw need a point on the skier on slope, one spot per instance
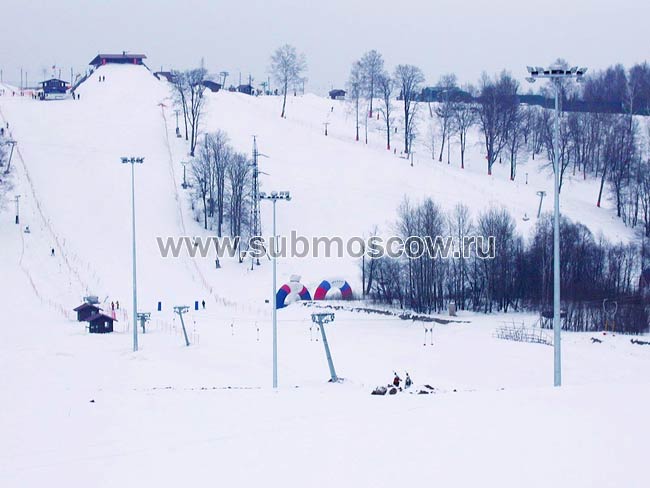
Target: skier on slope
(396, 380)
(407, 381)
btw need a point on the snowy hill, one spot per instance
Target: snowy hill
(84, 408)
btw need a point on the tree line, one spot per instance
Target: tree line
(221, 185)
(518, 278)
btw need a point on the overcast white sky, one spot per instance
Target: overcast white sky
(440, 36)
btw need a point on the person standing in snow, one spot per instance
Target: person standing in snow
(52, 252)
(407, 381)
(396, 380)
(112, 305)
(117, 304)
(203, 304)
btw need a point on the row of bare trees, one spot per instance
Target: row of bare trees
(369, 80)
(518, 277)
(221, 183)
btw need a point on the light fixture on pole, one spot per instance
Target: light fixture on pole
(274, 196)
(133, 161)
(556, 75)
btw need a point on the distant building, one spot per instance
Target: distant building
(213, 86)
(440, 94)
(337, 94)
(100, 323)
(164, 75)
(124, 58)
(53, 88)
(247, 89)
(85, 311)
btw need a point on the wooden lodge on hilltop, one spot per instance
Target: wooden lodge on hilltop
(124, 58)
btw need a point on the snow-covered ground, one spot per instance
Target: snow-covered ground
(83, 410)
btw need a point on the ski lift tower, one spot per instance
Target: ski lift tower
(321, 319)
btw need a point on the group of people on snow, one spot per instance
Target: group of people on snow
(407, 381)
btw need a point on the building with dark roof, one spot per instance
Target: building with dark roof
(54, 88)
(124, 58)
(213, 86)
(86, 310)
(100, 323)
(247, 89)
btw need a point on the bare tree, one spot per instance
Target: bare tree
(201, 172)
(195, 88)
(408, 78)
(287, 68)
(385, 86)
(220, 155)
(355, 87)
(372, 67)
(498, 104)
(464, 117)
(179, 83)
(444, 108)
(238, 180)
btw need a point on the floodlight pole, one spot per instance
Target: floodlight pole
(133, 161)
(557, 324)
(274, 197)
(555, 74)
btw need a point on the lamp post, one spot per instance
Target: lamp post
(274, 196)
(133, 161)
(556, 75)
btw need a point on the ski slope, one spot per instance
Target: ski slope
(85, 410)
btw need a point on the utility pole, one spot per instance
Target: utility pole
(256, 221)
(321, 319)
(274, 196)
(224, 75)
(555, 75)
(133, 161)
(17, 198)
(144, 317)
(180, 310)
